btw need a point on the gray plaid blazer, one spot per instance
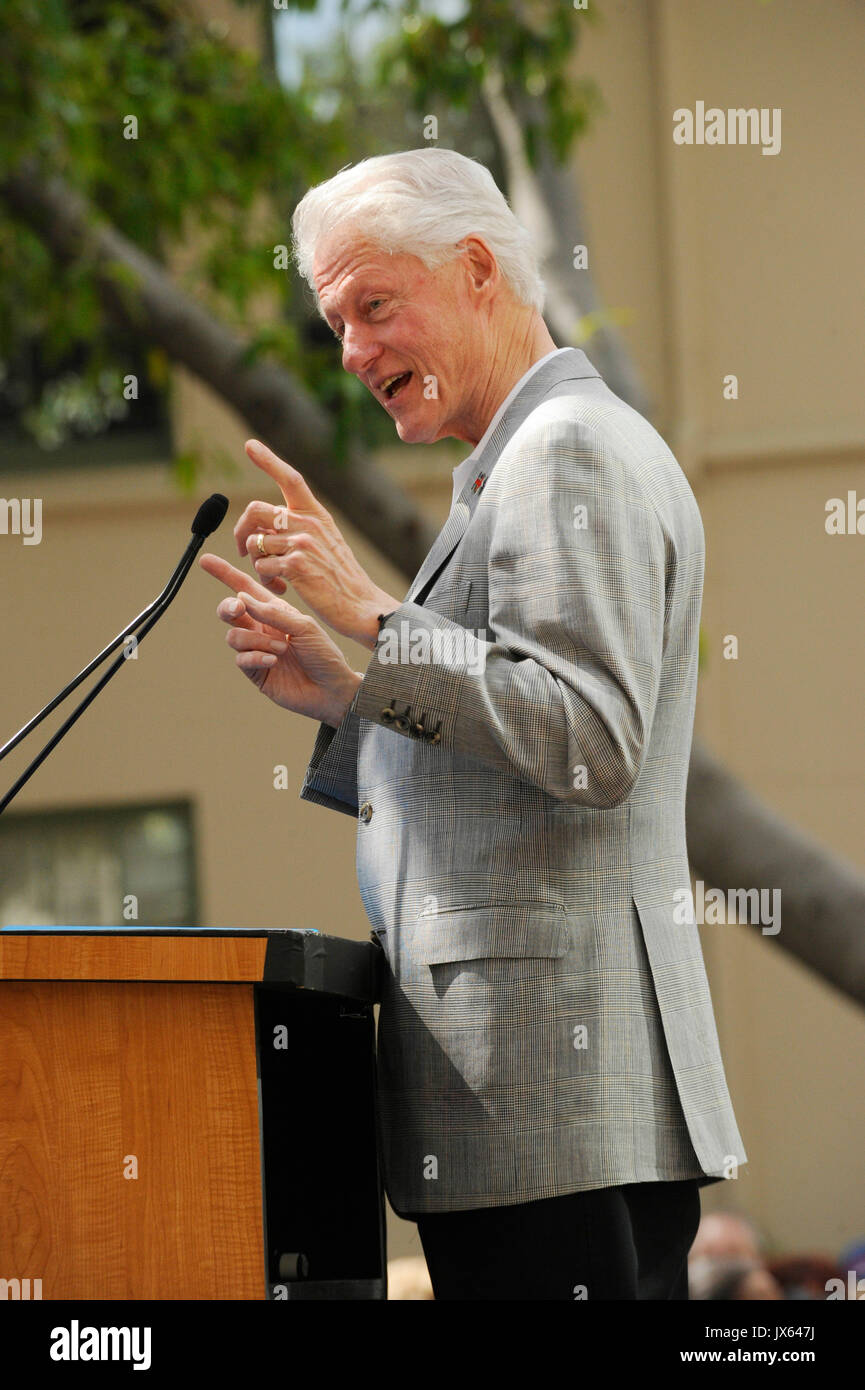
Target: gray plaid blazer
(516, 758)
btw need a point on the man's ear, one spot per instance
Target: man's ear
(480, 264)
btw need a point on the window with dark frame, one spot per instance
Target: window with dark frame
(130, 866)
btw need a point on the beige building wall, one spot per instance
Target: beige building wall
(737, 262)
(729, 262)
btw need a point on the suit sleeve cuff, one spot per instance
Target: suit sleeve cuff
(331, 777)
(411, 684)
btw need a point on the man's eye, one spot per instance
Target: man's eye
(373, 302)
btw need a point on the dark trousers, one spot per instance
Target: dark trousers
(628, 1242)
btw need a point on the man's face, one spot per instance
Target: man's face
(396, 318)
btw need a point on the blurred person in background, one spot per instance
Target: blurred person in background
(726, 1235)
(804, 1276)
(731, 1278)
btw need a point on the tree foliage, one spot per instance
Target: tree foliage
(176, 137)
(183, 140)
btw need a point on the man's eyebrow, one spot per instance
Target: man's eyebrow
(348, 293)
(355, 291)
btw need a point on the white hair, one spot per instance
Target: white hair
(424, 202)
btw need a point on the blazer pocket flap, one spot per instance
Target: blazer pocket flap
(477, 932)
(449, 596)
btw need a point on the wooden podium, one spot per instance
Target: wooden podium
(188, 1114)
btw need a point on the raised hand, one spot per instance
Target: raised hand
(300, 544)
(286, 654)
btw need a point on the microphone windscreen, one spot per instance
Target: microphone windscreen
(210, 515)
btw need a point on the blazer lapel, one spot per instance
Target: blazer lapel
(567, 366)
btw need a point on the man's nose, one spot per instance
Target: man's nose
(359, 350)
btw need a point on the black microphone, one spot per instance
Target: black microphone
(209, 515)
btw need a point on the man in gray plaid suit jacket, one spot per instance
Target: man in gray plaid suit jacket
(516, 755)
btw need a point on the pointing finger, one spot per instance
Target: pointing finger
(291, 483)
(234, 578)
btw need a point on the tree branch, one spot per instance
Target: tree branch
(548, 203)
(275, 405)
(734, 841)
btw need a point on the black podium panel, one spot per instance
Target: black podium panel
(324, 1210)
(315, 1038)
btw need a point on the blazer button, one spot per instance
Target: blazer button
(365, 812)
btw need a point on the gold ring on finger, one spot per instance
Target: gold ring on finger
(259, 540)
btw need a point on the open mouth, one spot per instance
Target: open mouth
(397, 384)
